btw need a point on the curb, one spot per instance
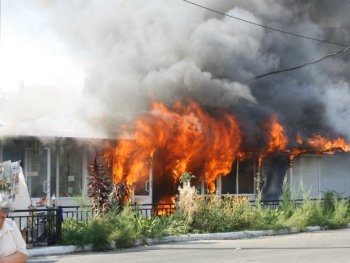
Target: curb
(230, 235)
(55, 250)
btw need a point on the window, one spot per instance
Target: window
(70, 170)
(241, 178)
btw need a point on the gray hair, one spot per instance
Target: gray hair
(5, 203)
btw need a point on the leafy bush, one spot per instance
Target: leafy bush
(155, 227)
(75, 232)
(330, 198)
(98, 234)
(309, 213)
(236, 213)
(287, 204)
(222, 215)
(266, 218)
(340, 214)
(124, 232)
(176, 224)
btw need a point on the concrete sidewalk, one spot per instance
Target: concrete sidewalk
(56, 250)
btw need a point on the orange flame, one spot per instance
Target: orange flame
(184, 138)
(165, 206)
(277, 137)
(324, 145)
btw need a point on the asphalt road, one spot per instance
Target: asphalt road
(321, 247)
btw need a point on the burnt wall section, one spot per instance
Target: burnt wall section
(274, 169)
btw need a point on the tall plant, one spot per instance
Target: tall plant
(287, 204)
(99, 187)
(187, 201)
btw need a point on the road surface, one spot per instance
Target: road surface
(321, 247)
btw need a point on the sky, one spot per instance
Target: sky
(41, 79)
(34, 56)
(84, 67)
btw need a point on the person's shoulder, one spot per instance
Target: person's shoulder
(9, 223)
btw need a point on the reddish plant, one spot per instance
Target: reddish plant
(99, 187)
(120, 194)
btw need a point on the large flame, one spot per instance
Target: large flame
(277, 136)
(277, 139)
(182, 138)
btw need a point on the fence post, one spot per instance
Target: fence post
(59, 220)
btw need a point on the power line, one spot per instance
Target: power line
(268, 27)
(303, 65)
(345, 49)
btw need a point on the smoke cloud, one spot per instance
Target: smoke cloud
(135, 52)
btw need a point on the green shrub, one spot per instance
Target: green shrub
(340, 214)
(287, 204)
(175, 224)
(75, 232)
(98, 234)
(266, 218)
(155, 227)
(236, 213)
(222, 215)
(124, 231)
(206, 217)
(309, 213)
(330, 198)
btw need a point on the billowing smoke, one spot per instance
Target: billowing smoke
(135, 52)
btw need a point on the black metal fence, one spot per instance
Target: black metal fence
(149, 210)
(43, 226)
(275, 204)
(79, 213)
(39, 227)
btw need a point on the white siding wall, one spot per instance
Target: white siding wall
(320, 173)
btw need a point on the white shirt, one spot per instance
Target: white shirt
(11, 240)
